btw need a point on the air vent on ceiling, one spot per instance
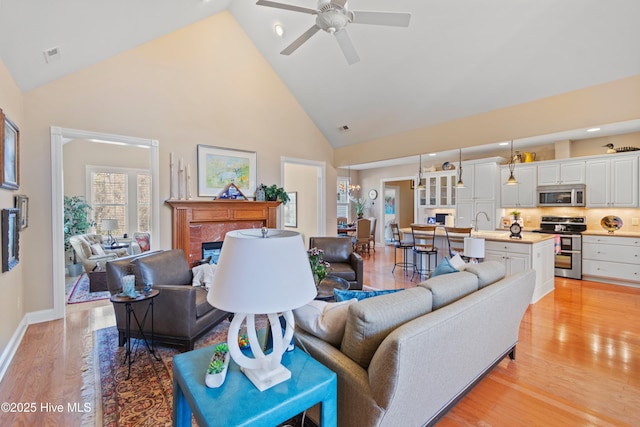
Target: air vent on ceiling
(52, 55)
(344, 128)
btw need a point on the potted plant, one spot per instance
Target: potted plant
(515, 215)
(360, 203)
(319, 267)
(273, 193)
(76, 221)
(217, 370)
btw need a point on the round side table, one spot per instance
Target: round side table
(128, 303)
(328, 284)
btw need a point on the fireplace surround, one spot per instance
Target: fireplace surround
(198, 221)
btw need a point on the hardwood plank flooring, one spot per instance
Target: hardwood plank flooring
(578, 360)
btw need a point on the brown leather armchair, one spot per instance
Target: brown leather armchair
(181, 311)
(345, 263)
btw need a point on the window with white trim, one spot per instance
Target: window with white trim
(343, 198)
(123, 194)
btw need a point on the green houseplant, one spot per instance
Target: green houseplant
(217, 369)
(274, 193)
(76, 221)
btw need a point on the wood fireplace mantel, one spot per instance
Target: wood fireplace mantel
(198, 221)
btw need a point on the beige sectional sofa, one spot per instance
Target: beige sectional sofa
(406, 358)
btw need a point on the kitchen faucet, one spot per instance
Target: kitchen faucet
(476, 219)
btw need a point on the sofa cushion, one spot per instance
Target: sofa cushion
(325, 320)
(450, 287)
(163, 268)
(343, 295)
(97, 249)
(444, 267)
(371, 320)
(487, 272)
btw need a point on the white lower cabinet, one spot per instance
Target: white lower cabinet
(517, 257)
(611, 259)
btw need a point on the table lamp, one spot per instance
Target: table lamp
(108, 225)
(262, 271)
(473, 248)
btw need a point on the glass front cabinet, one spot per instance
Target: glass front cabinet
(437, 190)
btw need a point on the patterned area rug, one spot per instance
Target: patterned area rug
(146, 398)
(80, 292)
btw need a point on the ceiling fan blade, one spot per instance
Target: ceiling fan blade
(287, 7)
(347, 47)
(300, 40)
(395, 19)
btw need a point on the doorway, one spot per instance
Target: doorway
(306, 179)
(399, 204)
(60, 137)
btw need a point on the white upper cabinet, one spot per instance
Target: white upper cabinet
(565, 172)
(522, 194)
(438, 190)
(612, 182)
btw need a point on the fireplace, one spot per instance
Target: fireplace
(211, 249)
(198, 221)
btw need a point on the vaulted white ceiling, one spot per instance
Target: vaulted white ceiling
(457, 57)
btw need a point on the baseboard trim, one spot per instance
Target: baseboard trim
(41, 316)
(12, 346)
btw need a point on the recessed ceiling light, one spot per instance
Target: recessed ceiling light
(432, 154)
(279, 29)
(503, 143)
(593, 130)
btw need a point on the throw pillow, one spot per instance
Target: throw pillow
(96, 249)
(143, 242)
(341, 295)
(325, 320)
(444, 267)
(458, 263)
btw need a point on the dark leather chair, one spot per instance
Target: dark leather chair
(181, 311)
(345, 263)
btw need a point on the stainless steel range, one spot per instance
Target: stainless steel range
(567, 231)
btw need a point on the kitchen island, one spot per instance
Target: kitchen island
(533, 251)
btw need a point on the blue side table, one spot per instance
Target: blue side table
(238, 403)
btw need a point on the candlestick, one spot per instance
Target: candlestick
(172, 184)
(188, 182)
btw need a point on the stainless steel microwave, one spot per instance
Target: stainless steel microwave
(561, 195)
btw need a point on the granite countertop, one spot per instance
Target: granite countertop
(497, 235)
(614, 234)
(503, 236)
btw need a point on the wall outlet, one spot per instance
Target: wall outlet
(635, 221)
(528, 218)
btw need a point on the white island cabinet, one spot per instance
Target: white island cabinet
(611, 258)
(533, 251)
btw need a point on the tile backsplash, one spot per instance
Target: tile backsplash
(531, 216)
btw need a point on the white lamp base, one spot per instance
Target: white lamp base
(267, 378)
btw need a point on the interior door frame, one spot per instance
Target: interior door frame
(59, 137)
(321, 172)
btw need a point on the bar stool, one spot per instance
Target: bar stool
(406, 247)
(455, 239)
(424, 245)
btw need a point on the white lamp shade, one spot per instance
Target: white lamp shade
(473, 247)
(109, 224)
(260, 275)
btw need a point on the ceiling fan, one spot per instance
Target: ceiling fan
(333, 17)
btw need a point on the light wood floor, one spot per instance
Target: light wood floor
(578, 360)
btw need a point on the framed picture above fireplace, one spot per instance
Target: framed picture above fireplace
(218, 167)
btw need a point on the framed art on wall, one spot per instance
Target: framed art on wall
(10, 238)
(9, 153)
(291, 210)
(218, 167)
(22, 203)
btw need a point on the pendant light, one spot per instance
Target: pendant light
(460, 184)
(352, 187)
(512, 165)
(420, 184)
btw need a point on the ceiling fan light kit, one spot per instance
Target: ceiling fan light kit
(333, 18)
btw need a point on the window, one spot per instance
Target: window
(343, 198)
(121, 194)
